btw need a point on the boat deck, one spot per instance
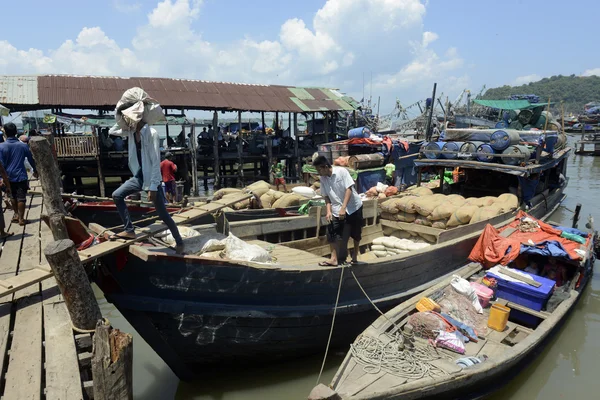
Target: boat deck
(40, 357)
(290, 257)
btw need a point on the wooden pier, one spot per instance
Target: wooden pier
(42, 357)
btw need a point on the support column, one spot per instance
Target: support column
(217, 165)
(194, 156)
(326, 115)
(101, 183)
(240, 149)
(297, 147)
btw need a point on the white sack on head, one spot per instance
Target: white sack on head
(135, 105)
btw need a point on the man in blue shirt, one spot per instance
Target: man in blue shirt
(13, 153)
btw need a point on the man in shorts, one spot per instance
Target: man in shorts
(167, 170)
(4, 184)
(277, 171)
(344, 211)
(13, 154)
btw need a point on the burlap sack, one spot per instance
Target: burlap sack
(443, 211)
(428, 238)
(421, 191)
(426, 205)
(287, 200)
(421, 220)
(259, 185)
(510, 199)
(461, 216)
(473, 201)
(391, 206)
(222, 192)
(488, 201)
(268, 199)
(378, 247)
(401, 234)
(440, 223)
(401, 217)
(242, 205)
(455, 199)
(407, 204)
(483, 214)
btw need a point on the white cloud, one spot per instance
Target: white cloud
(590, 72)
(344, 40)
(523, 80)
(125, 7)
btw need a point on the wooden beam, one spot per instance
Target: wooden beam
(112, 364)
(240, 150)
(217, 164)
(194, 156)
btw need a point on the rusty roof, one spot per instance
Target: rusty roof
(21, 93)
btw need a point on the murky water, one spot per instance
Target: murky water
(567, 368)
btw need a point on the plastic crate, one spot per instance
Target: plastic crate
(524, 294)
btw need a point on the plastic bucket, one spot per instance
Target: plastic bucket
(451, 146)
(498, 317)
(435, 146)
(500, 140)
(362, 132)
(485, 148)
(518, 151)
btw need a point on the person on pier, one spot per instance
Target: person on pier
(168, 170)
(6, 186)
(344, 211)
(13, 154)
(144, 163)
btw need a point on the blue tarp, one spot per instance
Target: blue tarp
(549, 248)
(574, 231)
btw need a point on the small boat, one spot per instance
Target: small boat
(405, 353)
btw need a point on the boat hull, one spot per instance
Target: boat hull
(199, 312)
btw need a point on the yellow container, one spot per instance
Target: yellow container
(426, 304)
(498, 317)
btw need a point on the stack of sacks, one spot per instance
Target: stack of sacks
(258, 188)
(442, 212)
(391, 246)
(288, 200)
(270, 197)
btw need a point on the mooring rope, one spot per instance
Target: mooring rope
(337, 299)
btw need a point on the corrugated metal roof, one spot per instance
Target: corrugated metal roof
(83, 92)
(18, 90)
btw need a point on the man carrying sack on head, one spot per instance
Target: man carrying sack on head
(135, 113)
(344, 211)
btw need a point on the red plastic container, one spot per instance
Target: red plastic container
(484, 293)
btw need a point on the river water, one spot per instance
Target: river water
(567, 367)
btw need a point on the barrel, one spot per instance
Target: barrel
(500, 140)
(509, 116)
(516, 150)
(451, 146)
(469, 148)
(516, 125)
(541, 122)
(501, 125)
(486, 148)
(436, 146)
(525, 116)
(364, 161)
(359, 133)
(550, 141)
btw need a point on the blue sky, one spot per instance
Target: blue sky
(406, 44)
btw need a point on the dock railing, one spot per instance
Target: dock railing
(76, 146)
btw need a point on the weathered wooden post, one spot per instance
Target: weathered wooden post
(240, 150)
(73, 284)
(49, 176)
(217, 167)
(112, 364)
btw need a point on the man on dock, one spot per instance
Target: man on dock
(13, 154)
(344, 211)
(144, 163)
(167, 170)
(4, 184)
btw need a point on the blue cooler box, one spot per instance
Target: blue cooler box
(525, 295)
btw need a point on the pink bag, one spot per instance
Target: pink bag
(484, 293)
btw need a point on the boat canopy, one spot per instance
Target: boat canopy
(509, 104)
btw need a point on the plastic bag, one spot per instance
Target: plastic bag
(237, 249)
(450, 341)
(304, 191)
(135, 106)
(381, 187)
(463, 287)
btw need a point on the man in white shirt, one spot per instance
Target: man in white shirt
(344, 211)
(144, 163)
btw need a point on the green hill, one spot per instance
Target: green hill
(573, 90)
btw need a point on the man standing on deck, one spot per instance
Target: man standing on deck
(13, 154)
(167, 170)
(144, 163)
(344, 211)
(4, 183)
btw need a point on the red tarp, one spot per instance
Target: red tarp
(492, 249)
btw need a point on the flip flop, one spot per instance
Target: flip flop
(23, 223)
(327, 264)
(6, 235)
(118, 236)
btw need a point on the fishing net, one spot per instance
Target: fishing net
(427, 324)
(528, 225)
(388, 353)
(460, 308)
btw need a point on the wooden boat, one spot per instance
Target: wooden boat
(375, 368)
(196, 310)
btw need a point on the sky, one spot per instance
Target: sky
(404, 45)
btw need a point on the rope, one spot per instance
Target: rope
(337, 299)
(105, 321)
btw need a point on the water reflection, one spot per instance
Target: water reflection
(566, 368)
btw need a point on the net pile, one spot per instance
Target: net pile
(460, 308)
(427, 324)
(390, 356)
(528, 226)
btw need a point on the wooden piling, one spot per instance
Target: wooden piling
(297, 147)
(576, 216)
(217, 169)
(240, 149)
(101, 182)
(112, 364)
(194, 159)
(73, 284)
(49, 176)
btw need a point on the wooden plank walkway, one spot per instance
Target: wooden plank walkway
(38, 349)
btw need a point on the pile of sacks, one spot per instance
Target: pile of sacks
(389, 246)
(441, 211)
(269, 198)
(216, 245)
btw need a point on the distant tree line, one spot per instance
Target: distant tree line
(574, 91)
